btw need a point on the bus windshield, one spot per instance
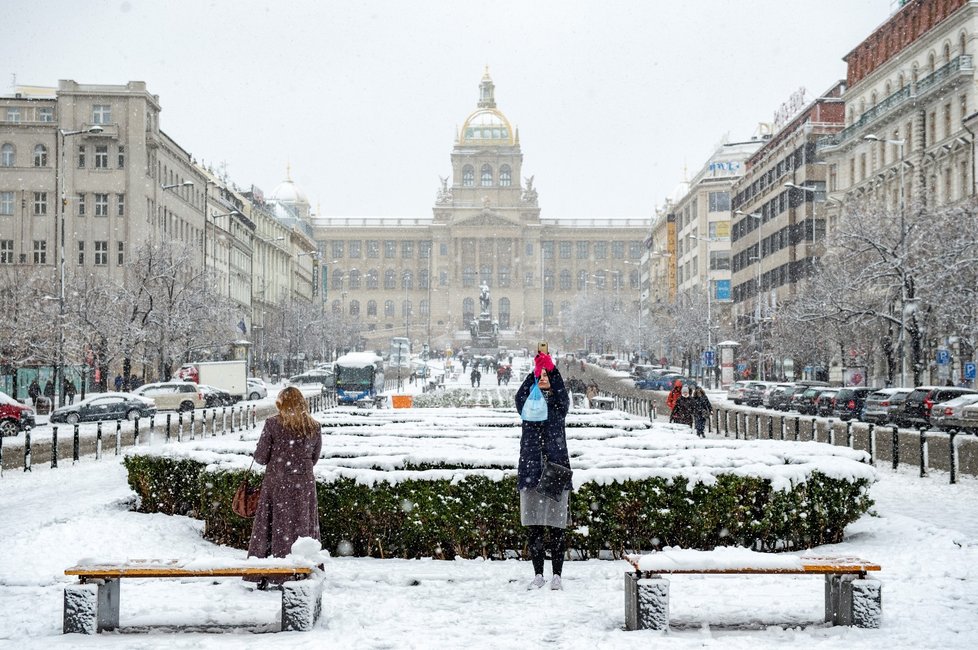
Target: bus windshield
(361, 376)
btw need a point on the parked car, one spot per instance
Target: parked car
(256, 389)
(803, 399)
(781, 399)
(917, 407)
(825, 401)
(755, 392)
(214, 396)
(947, 415)
(666, 382)
(651, 376)
(105, 406)
(880, 405)
(14, 416)
(173, 395)
(736, 391)
(968, 420)
(775, 396)
(849, 402)
(314, 378)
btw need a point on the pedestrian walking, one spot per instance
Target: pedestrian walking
(118, 383)
(682, 411)
(70, 391)
(289, 448)
(543, 516)
(674, 394)
(702, 409)
(34, 391)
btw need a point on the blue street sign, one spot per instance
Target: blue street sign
(741, 367)
(943, 357)
(969, 370)
(709, 358)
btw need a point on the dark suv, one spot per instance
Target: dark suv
(849, 402)
(916, 408)
(14, 416)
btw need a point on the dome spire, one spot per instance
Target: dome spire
(487, 97)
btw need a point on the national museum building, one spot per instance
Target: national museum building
(421, 277)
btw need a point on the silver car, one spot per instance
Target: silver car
(174, 395)
(881, 404)
(948, 415)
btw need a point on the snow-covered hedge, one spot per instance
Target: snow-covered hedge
(442, 483)
(493, 397)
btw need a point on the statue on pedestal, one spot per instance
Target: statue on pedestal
(484, 301)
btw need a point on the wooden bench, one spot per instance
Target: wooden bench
(851, 596)
(92, 604)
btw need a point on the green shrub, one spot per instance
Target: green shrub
(478, 516)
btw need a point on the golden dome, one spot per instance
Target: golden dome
(487, 125)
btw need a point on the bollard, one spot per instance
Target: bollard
(757, 427)
(736, 425)
(54, 447)
(782, 427)
(1, 455)
(213, 423)
(896, 446)
(224, 420)
(726, 423)
(954, 455)
(192, 418)
(770, 428)
(135, 432)
(872, 444)
(849, 434)
(923, 451)
(27, 451)
(98, 441)
(797, 426)
(118, 437)
(152, 429)
(168, 427)
(814, 429)
(75, 446)
(831, 432)
(180, 426)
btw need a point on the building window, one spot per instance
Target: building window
(424, 250)
(618, 250)
(120, 205)
(390, 279)
(336, 248)
(443, 278)
(443, 249)
(373, 279)
(719, 202)
(505, 176)
(336, 307)
(486, 176)
(101, 114)
(6, 251)
(371, 308)
(45, 114)
(528, 249)
(423, 279)
(121, 159)
(373, 248)
(617, 278)
(40, 252)
(548, 249)
(634, 279)
(101, 156)
(468, 277)
(635, 250)
(40, 204)
(719, 260)
(407, 280)
(407, 249)
(7, 155)
(354, 308)
(390, 248)
(388, 308)
(468, 176)
(600, 250)
(6, 204)
(354, 280)
(503, 313)
(548, 280)
(582, 280)
(13, 114)
(82, 207)
(565, 280)
(81, 157)
(582, 250)
(406, 309)
(423, 309)
(468, 310)
(40, 156)
(354, 250)
(528, 279)
(485, 275)
(548, 308)
(101, 253)
(504, 276)
(337, 281)
(599, 280)
(121, 254)
(101, 205)
(565, 250)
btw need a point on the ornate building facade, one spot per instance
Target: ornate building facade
(420, 277)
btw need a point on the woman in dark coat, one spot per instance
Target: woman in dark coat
(289, 447)
(682, 412)
(701, 410)
(539, 513)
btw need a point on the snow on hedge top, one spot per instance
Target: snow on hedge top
(358, 360)
(390, 446)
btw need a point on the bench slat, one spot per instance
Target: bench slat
(816, 566)
(161, 570)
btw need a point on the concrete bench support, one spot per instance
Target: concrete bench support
(91, 607)
(851, 600)
(302, 603)
(646, 602)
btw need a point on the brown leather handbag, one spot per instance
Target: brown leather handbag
(245, 501)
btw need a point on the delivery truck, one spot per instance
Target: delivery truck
(231, 376)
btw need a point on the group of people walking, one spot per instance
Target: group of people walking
(690, 407)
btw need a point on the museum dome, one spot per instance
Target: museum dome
(288, 192)
(487, 125)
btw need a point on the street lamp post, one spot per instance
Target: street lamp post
(871, 137)
(709, 301)
(757, 293)
(60, 205)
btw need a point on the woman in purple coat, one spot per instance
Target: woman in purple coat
(289, 448)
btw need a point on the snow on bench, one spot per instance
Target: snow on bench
(851, 597)
(92, 604)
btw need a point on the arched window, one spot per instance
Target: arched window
(872, 99)
(582, 280)
(503, 314)
(336, 307)
(634, 279)
(407, 280)
(423, 308)
(406, 309)
(914, 73)
(505, 176)
(548, 308)
(963, 43)
(468, 311)
(7, 155)
(468, 277)
(888, 89)
(616, 279)
(388, 308)
(337, 280)
(486, 176)
(354, 308)
(901, 81)
(599, 280)
(40, 156)
(372, 280)
(354, 281)
(947, 53)
(390, 279)
(468, 176)
(931, 62)
(565, 280)
(485, 274)
(548, 280)
(423, 279)
(371, 308)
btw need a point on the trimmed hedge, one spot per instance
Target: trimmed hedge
(477, 516)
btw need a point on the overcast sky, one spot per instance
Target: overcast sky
(612, 99)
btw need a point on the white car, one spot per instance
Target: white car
(256, 389)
